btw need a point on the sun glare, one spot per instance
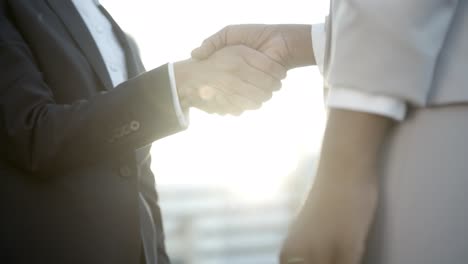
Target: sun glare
(251, 155)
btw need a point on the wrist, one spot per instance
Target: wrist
(338, 202)
(351, 147)
(181, 76)
(299, 42)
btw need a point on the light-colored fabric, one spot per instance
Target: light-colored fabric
(355, 100)
(109, 47)
(183, 120)
(318, 44)
(412, 50)
(416, 51)
(148, 231)
(348, 99)
(423, 208)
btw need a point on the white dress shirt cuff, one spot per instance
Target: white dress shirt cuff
(354, 100)
(183, 119)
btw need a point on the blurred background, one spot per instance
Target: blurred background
(230, 185)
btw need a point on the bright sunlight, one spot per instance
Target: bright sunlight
(251, 156)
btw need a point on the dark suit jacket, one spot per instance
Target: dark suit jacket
(73, 150)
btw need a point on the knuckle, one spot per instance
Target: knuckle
(271, 84)
(278, 70)
(284, 73)
(270, 65)
(209, 43)
(257, 106)
(276, 85)
(226, 29)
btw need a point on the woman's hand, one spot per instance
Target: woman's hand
(288, 45)
(332, 227)
(333, 224)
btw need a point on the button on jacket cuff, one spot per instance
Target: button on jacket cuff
(152, 113)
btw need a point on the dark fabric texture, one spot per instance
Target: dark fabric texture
(74, 152)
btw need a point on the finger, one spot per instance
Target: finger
(210, 45)
(349, 255)
(262, 62)
(214, 107)
(204, 99)
(206, 93)
(243, 103)
(251, 92)
(310, 248)
(206, 107)
(310, 257)
(233, 83)
(259, 79)
(215, 100)
(204, 51)
(297, 257)
(240, 93)
(227, 106)
(293, 251)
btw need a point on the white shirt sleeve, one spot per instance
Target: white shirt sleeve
(183, 118)
(349, 99)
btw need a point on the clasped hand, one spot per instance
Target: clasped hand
(230, 81)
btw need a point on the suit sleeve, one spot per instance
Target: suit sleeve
(39, 135)
(387, 47)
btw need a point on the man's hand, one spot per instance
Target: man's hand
(232, 80)
(333, 224)
(289, 45)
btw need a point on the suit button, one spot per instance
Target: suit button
(126, 130)
(134, 125)
(125, 171)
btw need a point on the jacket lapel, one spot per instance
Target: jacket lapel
(133, 61)
(83, 38)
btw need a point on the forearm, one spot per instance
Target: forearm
(335, 219)
(351, 147)
(41, 135)
(299, 43)
(346, 181)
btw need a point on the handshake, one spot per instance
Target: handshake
(240, 67)
(232, 80)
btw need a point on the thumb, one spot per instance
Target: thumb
(202, 52)
(210, 46)
(205, 50)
